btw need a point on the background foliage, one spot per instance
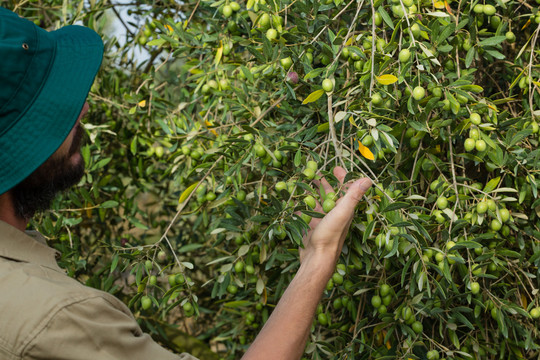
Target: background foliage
(200, 154)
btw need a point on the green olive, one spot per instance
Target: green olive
(226, 11)
(475, 287)
(271, 34)
(404, 55)
(328, 205)
(482, 207)
(417, 327)
(310, 201)
(475, 119)
(442, 203)
(480, 145)
(376, 301)
(309, 173)
(376, 99)
(418, 93)
(327, 85)
(146, 302)
(469, 144)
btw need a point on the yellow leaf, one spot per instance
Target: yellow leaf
(448, 8)
(386, 79)
(169, 27)
(523, 301)
(364, 150)
(187, 192)
(494, 108)
(439, 4)
(350, 41)
(209, 124)
(314, 96)
(353, 123)
(526, 24)
(219, 53)
(142, 103)
(442, 5)
(379, 339)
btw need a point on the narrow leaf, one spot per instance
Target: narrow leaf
(219, 53)
(313, 73)
(469, 57)
(156, 42)
(395, 206)
(314, 96)
(109, 204)
(387, 19)
(492, 184)
(187, 192)
(495, 40)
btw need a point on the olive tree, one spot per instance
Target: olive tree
(202, 158)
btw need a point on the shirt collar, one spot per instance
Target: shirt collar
(29, 246)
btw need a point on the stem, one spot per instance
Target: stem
(333, 131)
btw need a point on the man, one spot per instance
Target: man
(45, 79)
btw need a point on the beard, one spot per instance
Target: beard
(56, 174)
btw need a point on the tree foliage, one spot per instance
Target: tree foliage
(201, 158)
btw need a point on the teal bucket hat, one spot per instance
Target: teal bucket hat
(45, 78)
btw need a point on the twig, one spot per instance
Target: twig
(97, 97)
(268, 110)
(454, 182)
(333, 131)
(372, 49)
(192, 13)
(336, 58)
(326, 27)
(122, 21)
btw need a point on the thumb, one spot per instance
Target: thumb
(354, 194)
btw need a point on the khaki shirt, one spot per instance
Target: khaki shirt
(44, 314)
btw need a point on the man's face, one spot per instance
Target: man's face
(61, 171)
(70, 148)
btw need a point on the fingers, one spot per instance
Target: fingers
(340, 174)
(355, 192)
(318, 207)
(325, 185)
(315, 221)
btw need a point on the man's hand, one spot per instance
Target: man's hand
(327, 235)
(285, 334)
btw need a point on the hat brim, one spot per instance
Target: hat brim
(40, 131)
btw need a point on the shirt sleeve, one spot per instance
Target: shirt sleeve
(95, 329)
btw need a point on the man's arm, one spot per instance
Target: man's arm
(284, 335)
